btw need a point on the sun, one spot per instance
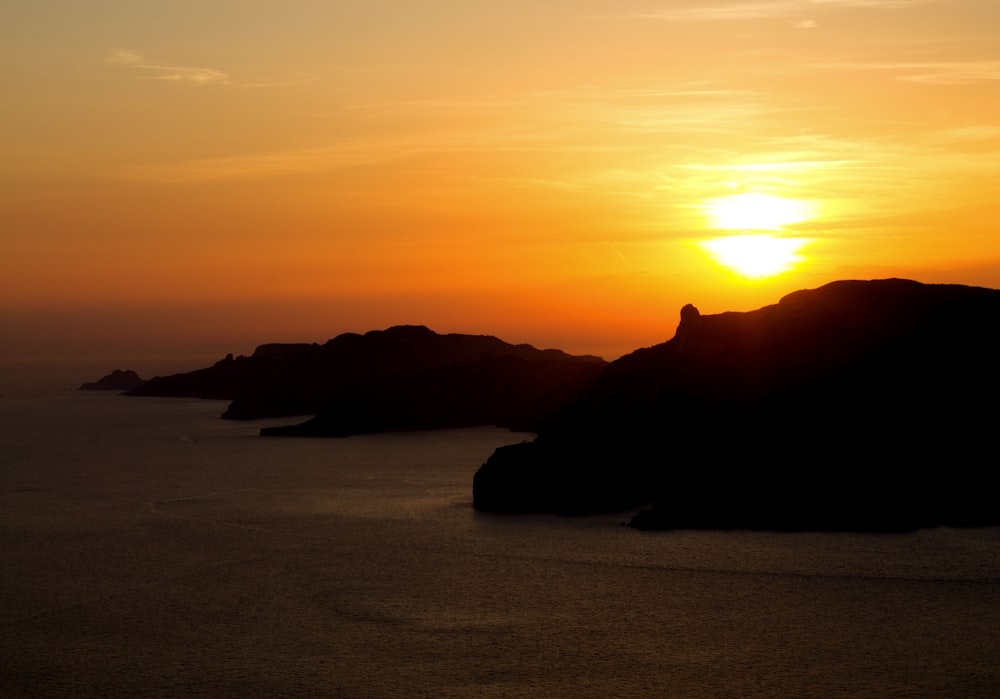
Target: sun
(756, 256)
(756, 211)
(760, 250)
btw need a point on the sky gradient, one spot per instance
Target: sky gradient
(194, 178)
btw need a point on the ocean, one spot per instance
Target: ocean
(150, 549)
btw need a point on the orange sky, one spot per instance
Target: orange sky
(194, 178)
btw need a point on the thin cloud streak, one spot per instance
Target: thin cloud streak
(770, 10)
(927, 72)
(195, 75)
(150, 71)
(793, 165)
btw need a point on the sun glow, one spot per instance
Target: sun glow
(756, 256)
(755, 211)
(759, 251)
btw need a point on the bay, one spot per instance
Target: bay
(148, 548)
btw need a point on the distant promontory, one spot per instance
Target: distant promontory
(117, 380)
(860, 405)
(402, 378)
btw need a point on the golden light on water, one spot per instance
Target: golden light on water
(754, 253)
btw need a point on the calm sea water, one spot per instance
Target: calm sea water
(148, 548)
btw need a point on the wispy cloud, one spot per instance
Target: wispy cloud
(928, 72)
(776, 166)
(973, 133)
(149, 70)
(123, 58)
(953, 73)
(877, 4)
(723, 12)
(769, 9)
(152, 71)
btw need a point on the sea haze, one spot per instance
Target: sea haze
(148, 548)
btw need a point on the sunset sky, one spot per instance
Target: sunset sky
(191, 178)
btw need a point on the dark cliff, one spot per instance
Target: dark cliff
(117, 380)
(858, 405)
(405, 377)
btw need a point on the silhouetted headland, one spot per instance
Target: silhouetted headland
(860, 405)
(117, 380)
(402, 378)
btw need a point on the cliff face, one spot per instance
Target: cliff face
(405, 377)
(823, 411)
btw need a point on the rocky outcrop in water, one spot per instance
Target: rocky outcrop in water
(117, 380)
(858, 406)
(405, 377)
